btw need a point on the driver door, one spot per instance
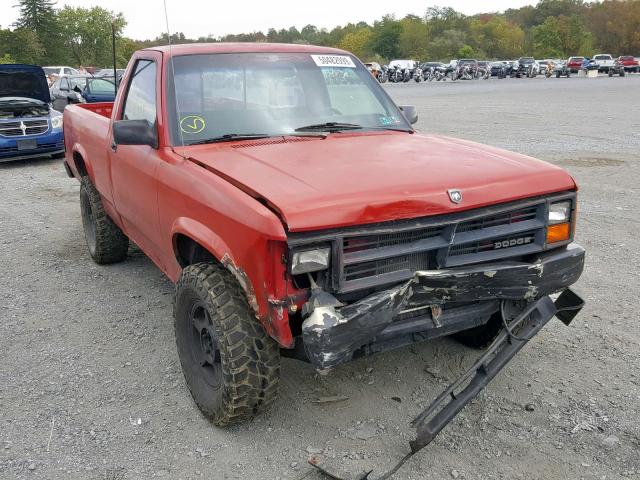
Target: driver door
(134, 167)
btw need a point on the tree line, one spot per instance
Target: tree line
(76, 36)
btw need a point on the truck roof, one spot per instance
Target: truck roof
(242, 47)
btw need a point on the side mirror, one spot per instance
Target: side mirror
(410, 113)
(135, 132)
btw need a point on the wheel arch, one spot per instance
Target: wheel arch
(81, 164)
(194, 242)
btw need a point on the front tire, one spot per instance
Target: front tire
(106, 242)
(231, 366)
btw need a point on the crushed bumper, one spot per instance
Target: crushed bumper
(332, 333)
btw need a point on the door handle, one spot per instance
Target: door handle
(114, 145)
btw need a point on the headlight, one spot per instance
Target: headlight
(559, 228)
(56, 122)
(310, 261)
(559, 212)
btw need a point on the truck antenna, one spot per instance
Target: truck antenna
(173, 77)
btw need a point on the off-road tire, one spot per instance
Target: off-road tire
(106, 242)
(481, 336)
(244, 380)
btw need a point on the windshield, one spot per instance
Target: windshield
(273, 94)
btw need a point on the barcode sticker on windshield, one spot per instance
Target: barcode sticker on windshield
(333, 61)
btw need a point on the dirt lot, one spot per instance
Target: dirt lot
(91, 387)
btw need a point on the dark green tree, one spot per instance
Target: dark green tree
(39, 16)
(386, 37)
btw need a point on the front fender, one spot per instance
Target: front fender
(268, 310)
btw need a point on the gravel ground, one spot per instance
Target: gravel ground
(91, 386)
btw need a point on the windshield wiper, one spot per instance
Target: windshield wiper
(228, 137)
(330, 127)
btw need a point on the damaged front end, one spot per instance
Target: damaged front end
(491, 270)
(333, 333)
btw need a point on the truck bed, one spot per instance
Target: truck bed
(101, 108)
(86, 131)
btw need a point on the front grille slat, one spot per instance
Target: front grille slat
(31, 127)
(374, 259)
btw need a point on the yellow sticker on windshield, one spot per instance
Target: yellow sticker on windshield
(192, 124)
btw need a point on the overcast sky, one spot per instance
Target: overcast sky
(145, 18)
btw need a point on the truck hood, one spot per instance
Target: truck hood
(352, 179)
(27, 81)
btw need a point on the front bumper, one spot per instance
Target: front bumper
(332, 333)
(51, 143)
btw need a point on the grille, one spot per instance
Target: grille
(410, 263)
(358, 244)
(369, 259)
(506, 218)
(31, 127)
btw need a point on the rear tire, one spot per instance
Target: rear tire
(231, 366)
(106, 242)
(481, 336)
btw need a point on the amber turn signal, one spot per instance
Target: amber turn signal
(559, 232)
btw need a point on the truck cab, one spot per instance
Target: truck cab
(29, 126)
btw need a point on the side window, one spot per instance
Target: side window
(67, 71)
(140, 103)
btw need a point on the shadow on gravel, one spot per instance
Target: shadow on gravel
(32, 162)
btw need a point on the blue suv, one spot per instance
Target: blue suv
(29, 127)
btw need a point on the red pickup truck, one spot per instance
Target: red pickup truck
(575, 64)
(300, 214)
(629, 63)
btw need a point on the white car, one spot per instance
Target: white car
(404, 64)
(55, 72)
(604, 61)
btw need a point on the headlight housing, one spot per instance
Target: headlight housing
(306, 261)
(559, 228)
(560, 212)
(56, 122)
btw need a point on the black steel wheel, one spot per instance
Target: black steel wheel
(230, 364)
(105, 241)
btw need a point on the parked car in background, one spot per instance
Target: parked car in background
(575, 64)
(604, 61)
(500, 69)
(56, 72)
(629, 63)
(29, 127)
(82, 89)
(525, 66)
(108, 72)
(403, 64)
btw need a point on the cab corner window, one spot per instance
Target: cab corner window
(140, 103)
